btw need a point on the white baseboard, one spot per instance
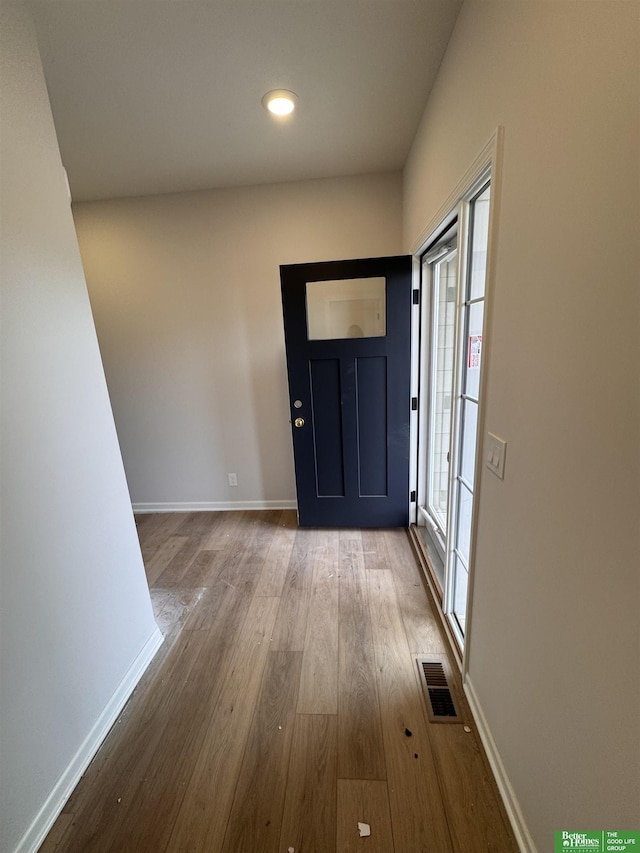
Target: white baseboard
(46, 817)
(511, 804)
(212, 506)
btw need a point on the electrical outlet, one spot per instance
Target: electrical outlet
(233, 479)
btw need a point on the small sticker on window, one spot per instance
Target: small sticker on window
(475, 350)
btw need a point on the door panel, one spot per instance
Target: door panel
(326, 389)
(351, 433)
(372, 428)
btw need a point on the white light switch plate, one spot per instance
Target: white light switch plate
(496, 449)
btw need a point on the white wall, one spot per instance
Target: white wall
(75, 611)
(185, 291)
(554, 648)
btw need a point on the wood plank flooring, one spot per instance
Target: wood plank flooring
(275, 715)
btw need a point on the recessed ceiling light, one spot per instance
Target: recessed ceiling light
(280, 102)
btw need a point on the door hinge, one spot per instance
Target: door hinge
(416, 297)
(412, 497)
(414, 404)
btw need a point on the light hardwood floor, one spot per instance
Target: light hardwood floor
(275, 715)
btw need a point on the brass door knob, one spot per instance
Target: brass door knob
(299, 422)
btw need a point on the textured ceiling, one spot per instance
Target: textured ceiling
(155, 96)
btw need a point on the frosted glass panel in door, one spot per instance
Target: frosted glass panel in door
(444, 308)
(460, 587)
(346, 308)
(479, 241)
(469, 433)
(474, 350)
(465, 506)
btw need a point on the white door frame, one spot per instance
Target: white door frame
(487, 164)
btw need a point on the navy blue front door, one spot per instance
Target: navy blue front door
(347, 332)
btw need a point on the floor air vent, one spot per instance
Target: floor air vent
(440, 705)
